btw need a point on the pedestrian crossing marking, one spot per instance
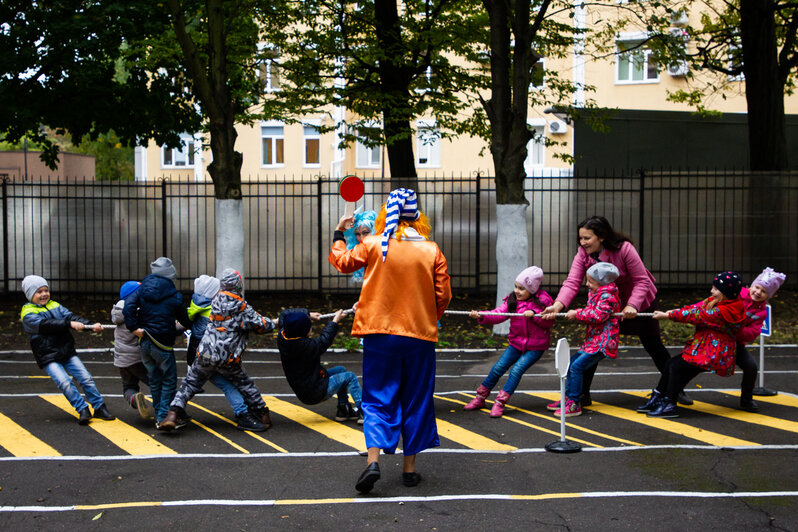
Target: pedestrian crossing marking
(316, 422)
(249, 433)
(127, 438)
(703, 435)
(521, 422)
(20, 442)
(470, 439)
(781, 399)
(739, 415)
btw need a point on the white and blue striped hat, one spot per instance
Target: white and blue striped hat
(402, 204)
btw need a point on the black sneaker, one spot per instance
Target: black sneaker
(651, 404)
(247, 421)
(684, 399)
(357, 413)
(84, 416)
(368, 478)
(411, 479)
(586, 400)
(749, 405)
(342, 413)
(665, 409)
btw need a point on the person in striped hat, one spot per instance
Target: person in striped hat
(406, 288)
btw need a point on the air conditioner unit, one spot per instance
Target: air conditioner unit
(557, 127)
(679, 69)
(679, 18)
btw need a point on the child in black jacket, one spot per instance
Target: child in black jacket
(301, 354)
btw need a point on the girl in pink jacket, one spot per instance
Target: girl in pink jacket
(755, 301)
(529, 337)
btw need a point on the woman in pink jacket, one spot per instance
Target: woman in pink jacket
(529, 337)
(599, 242)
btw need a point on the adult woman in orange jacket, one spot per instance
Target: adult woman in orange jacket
(405, 291)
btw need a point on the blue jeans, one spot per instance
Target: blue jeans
(519, 361)
(232, 394)
(162, 372)
(343, 382)
(580, 362)
(60, 373)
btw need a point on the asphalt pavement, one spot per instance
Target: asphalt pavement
(714, 468)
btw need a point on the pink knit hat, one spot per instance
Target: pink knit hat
(770, 280)
(530, 279)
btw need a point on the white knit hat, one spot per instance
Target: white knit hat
(31, 283)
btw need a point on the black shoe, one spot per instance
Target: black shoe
(665, 409)
(84, 416)
(342, 413)
(651, 404)
(684, 399)
(182, 420)
(368, 478)
(103, 413)
(411, 479)
(586, 400)
(247, 421)
(749, 405)
(357, 413)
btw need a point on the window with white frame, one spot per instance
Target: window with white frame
(736, 61)
(181, 157)
(367, 156)
(635, 62)
(312, 144)
(428, 144)
(269, 68)
(536, 148)
(537, 76)
(272, 141)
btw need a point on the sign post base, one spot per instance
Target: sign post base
(563, 446)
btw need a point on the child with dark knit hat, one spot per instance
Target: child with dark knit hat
(301, 358)
(127, 356)
(601, 336)
(49, 323)
(755, 300)
(717, 320)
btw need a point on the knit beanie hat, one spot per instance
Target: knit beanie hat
(31, 283)
(163, 266)
(206, 286)
(128, 288)
(603, 273)
(295, 323)
(728, 283)
(402, 204)
(232, 281)
(530, 279)
(770, 280)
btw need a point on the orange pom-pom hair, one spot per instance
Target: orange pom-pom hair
(422, 225)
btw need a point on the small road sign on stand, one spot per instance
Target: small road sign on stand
(562, 359)
(767, 329)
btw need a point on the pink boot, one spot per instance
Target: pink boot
(498, 406)
(478, 401)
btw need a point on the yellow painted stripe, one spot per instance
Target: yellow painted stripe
(249, 433)
(780, 399)
(702, 435)
(740, 415)
(470, 439)
(524, 423)
(127, 438)
(113, 505)
(332, 429)
(20, 442)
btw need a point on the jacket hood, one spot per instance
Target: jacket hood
(201, 301)
(225, 305)
(732, 310)
(155, 288)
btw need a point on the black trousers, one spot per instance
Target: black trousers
(750, 369)
(678, 372)
(131, 377)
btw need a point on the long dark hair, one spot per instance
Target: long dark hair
(512, 300)
(612, 239)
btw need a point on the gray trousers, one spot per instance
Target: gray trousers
(198, 375)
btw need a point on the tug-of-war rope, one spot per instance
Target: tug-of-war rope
(456, 312)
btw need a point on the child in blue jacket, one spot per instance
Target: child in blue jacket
(48, 323)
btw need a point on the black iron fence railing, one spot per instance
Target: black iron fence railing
(92, 236)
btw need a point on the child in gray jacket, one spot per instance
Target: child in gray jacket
(127, 356)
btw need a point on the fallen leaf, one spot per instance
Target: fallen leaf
(97, 516)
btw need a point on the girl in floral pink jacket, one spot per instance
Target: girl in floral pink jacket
(601, 337)
(529, 337)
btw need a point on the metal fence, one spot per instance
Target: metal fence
(92, 236)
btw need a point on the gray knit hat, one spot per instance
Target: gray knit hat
(206, 286)
(163, 266)
(603, 272)
(31, 283)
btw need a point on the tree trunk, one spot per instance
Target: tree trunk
(764, 88)
(395, 83)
